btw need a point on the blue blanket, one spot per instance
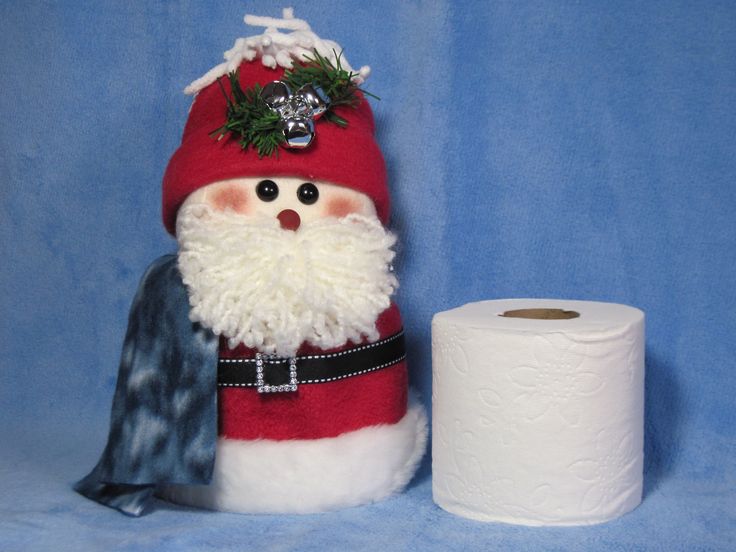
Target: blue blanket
(579, 150)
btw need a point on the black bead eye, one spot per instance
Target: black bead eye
(267, 190)
(307, 193)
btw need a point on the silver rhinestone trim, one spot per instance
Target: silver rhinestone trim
(260, 383)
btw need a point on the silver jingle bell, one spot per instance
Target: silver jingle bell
(298, 131)
(276, 93)
(295, 106)
(315, 98)
(297, 111)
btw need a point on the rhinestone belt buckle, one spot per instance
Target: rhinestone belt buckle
(264, 387)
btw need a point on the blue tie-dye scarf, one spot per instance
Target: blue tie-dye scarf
(164, 415)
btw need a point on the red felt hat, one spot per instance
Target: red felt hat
(347, 156)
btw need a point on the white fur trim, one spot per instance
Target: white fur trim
(309, 476)
(275, 48)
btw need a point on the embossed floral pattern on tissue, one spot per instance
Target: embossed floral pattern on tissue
(606, 471)
(554, 379)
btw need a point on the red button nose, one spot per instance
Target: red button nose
(289, 219)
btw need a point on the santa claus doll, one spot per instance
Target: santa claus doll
(264, 370)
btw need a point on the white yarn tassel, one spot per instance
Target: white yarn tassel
(276, 49)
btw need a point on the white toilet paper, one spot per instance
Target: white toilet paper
(538, 422)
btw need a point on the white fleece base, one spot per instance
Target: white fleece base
(309, 476)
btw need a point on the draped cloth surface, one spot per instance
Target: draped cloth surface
(164, 414)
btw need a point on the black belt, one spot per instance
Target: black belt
(272, 374)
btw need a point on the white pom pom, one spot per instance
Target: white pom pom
(284, 59)
(276, 48)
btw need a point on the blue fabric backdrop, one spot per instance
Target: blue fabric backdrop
(569, 149)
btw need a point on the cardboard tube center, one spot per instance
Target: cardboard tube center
(541, 314)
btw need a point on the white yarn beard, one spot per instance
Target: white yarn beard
(273, 289)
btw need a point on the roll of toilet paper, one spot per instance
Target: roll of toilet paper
(538, 411)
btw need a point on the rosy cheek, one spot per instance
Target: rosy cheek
(341, 207)
(230, 197)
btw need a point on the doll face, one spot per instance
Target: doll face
(322, 276)
(292, 200)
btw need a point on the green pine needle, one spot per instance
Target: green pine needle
(333, 79)
(250, 119)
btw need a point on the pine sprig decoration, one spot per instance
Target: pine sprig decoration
(250, 118)
(337, 83)
(258, 125)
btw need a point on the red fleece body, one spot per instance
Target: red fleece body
(316, 410)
